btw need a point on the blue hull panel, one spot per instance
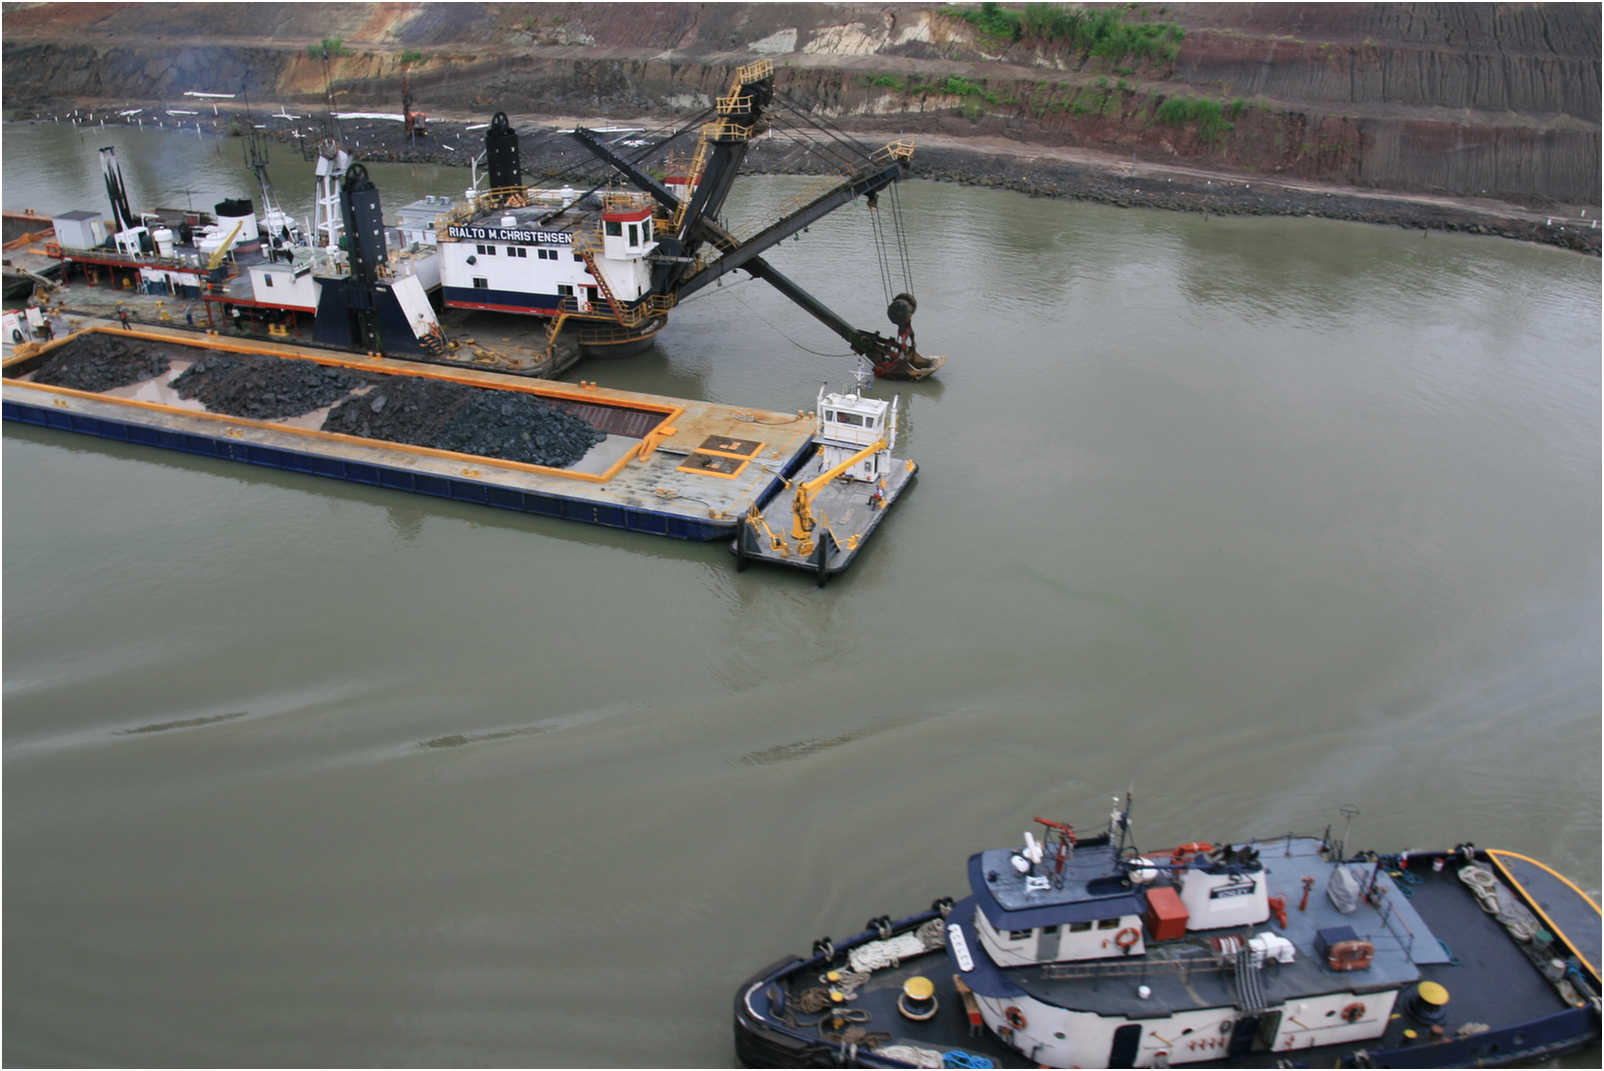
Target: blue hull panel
(632, 519)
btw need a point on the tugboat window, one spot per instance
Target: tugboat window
(1108, 924)
(481, 283)
(268, 279)
(634, 234)
(615, 228)
(1079, 927)
(1019, 935)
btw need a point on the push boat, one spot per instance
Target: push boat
(1290, 951)
(838, 496)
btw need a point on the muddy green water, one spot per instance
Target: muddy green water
(1259, 517)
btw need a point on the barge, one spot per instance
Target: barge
(1288, 951)
(659, 467)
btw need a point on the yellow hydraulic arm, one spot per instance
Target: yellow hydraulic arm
(222, 250)
(802, 496)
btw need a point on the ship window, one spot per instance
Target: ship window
(634, 234)
(564, 290)
(647, 228)
(579, 258)
(481, 283)
(517, 251)
(268, 279)
(614, 228)
(1019, 935)
(850, 418)
(1079, 927)
(1108, 924)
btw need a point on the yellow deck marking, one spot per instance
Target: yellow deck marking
(1493, 854)
(670, 413)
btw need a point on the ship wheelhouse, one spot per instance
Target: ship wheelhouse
(548, 253)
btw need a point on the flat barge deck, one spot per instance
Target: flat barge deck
(667, 466)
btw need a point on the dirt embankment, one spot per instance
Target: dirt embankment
(1430, 101)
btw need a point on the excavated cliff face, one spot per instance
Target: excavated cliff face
(1501, 100)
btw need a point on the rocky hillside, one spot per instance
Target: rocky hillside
(1466, 100)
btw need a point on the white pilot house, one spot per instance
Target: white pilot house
(550, 255)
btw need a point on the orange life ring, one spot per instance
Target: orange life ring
(584, 306)
(1127, 938)
(1015, 1017)
(1353, 1012)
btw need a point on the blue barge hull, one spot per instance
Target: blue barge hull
(457, 489)
(639, 480)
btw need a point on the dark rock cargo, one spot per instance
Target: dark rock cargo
(615, 458)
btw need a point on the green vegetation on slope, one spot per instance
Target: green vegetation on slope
(1103, 33)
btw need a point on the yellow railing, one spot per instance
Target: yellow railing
(625, 200)
(726, 130)
(900, 150)
(755, 71)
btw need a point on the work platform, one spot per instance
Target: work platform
(668, 466)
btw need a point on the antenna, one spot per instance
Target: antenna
(1348, 812)
(862, 375)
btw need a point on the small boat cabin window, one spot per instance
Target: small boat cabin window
(1019, 935)
(1079, 927)
(1108, 924)
(565, 290)
(268, 279)
(634, 234)
(615, 228)
(481, 283)
(847, 418)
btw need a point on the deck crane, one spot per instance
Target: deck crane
(682, 265)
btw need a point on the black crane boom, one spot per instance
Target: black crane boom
(669, 275)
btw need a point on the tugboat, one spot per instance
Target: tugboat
(838, 496)
(1080, 951)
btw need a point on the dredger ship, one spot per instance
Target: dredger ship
(687, 469)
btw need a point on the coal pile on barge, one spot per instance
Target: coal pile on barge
(264, 389)
(468, 420)
(101, 362)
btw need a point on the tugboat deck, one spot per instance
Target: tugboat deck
(1503, 1006)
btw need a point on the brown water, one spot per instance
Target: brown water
(1260, 517)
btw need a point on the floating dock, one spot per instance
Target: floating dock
(667, 466)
